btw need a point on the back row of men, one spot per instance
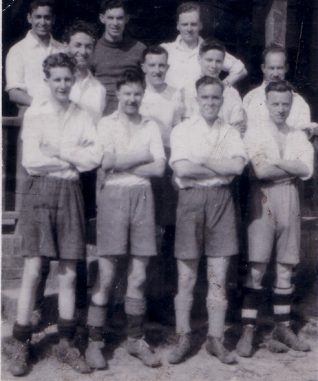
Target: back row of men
(181, 111)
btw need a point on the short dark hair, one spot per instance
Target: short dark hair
(58, 60)
(280, 86)
(273, 48)
(211, 44)
(111, 4)
(154, 49)
(187, 7)
(80, 26)
(41, 3)
(131, 76)
(205, 81)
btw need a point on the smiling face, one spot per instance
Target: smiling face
(210, 99)
(211, 63)
(115, 21)
(274, 67)
(279, 105)
(189, 26)
(155, 67)
(81, 47)
(41, 20)
(129, 97)
(60, 82)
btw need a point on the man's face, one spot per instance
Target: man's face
(279, 105)
(41, 20)
(60, 82)
(155, 67)
(274, 68)
(129, 98)
(211, 63)
(210, 99)
(115, 21)
(81, 47)
(189, 26)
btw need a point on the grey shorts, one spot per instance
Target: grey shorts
(52, 219)
(205, 223)
(125, 221)
(274, 219)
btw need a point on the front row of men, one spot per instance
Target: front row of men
(60, 140)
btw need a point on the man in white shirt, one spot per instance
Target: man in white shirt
(87, 91)
(206, 154)
(184, 68)
(24, 73)
(274, 68)
(133, 153)
(280, 155)
(59, 141)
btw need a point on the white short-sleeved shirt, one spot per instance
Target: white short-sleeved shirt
(117, 137)
(89, 94)
(254, 104)
(24, 64)
(165, 108)
(263, 147)
(184, 66)
(195, 141)
(229, 111)
(46, 123)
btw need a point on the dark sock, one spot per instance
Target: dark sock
(135, 326)
(252, 301)
(66, 328)
(22, 333)
(281, 304)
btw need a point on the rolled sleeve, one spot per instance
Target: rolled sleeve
(178, 142)
(156, 146)
(234, 146)
(232, 65)
(305, 153)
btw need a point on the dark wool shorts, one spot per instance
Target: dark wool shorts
(205, 223)
(125, 221)
(52, 219)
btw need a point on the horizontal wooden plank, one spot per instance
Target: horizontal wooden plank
(11, 121)
(10, 215)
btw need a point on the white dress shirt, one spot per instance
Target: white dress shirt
(71, 132)
(196, 141)
(89, 94)
(264, 147)
(165, 108)
(117, 137)
(185, 68)
(24, 64)
(254, 104)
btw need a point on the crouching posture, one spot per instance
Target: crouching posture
(59, 141)
(133, 152)
(206, 154)
(279, 155)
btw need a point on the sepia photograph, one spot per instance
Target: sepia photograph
(159, 190)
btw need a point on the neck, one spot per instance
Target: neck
(110, 38)
(190, 44)
(156, 88)
(45, 40)
(130, 117)
(81, 73)
(210, 122)
(281, 127)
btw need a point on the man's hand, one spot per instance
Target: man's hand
(109, 160)
(49, 150)
(310, 129)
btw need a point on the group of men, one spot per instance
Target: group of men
(135, 113)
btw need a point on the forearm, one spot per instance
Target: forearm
(131, 160)
(271, 172)
(233, 78)
(225, 167)
(294, 167)
(20, 97)
(154, 169)
(82, 158)
(43, 168)
(186, 168)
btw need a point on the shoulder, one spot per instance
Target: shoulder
(255, 91)
(169, 45)
(298, 99)
(183, 127)
(17, 48)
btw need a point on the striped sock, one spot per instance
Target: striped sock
(251, 302)
(282, 299)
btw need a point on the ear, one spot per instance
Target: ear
(143, 67)
(29, 18)
(102, 18)
(262, 68)
(200, 26)
(127, 18)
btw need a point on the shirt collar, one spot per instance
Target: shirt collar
(179, 45)
(34, 42)
(198, 120)
(116, 116)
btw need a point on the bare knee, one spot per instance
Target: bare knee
(187, 276)
(67, 274)
(283, 275)
(32, 269)
(255, 275)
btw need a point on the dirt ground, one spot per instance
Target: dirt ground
(200, 366)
